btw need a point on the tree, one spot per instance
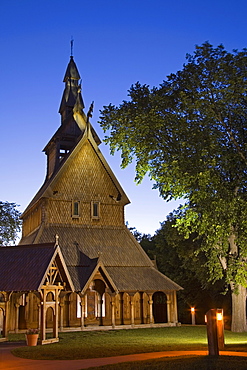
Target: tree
(177, 258)
(190, 136)
(10, 223)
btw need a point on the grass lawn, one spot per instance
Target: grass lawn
(182, 363)
(79, 345)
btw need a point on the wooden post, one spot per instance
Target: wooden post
(113, 306)
(17, 305)
(61, 312)
(56, 315)
(150, 302)
(43, 317)
(175, 307)
(213, 348)
(168, 310)
(82, 312)
(132, 310)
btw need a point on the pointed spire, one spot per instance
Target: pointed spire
(71, 71)
(72, 92)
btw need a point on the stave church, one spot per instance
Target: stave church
(77, 266)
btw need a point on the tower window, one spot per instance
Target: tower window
(75, 209)
(95, 210)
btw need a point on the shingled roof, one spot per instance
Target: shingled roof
(23, 268)
(128, 266)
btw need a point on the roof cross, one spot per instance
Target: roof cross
(71, 46)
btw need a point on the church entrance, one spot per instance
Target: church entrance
(159, 307)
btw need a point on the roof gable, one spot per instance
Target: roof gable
(87, 137)
(24, 268)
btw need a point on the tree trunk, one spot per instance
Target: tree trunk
(239, 310)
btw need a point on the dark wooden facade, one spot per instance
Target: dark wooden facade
(81, 203)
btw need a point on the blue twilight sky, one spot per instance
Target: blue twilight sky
(116, 43)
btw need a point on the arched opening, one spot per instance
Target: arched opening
(159, 307)
(49, 317)
(22, 323)
(50, 297)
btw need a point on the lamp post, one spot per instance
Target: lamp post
(220, 328)
(215, 331)
(193, 315)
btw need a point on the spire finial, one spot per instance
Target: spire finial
(71, 46)
(56, 240)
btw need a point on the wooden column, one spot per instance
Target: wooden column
(4, 332)
(39, 313)
(132, 309)
(82, 312)
(61, 312)
(43, 317)
(113, 307)
(150, 302)
(55, 322)
(17, 305)
(168, 308)
(7, 297)
(175, 307)
(100, 303)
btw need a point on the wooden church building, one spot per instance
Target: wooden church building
(77, 265)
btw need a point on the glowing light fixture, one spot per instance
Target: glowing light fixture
(193, 315)
(219, 316)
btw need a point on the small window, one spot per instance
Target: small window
(95, 210)
(75, 208)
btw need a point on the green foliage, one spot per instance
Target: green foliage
(182, 260)
(190, 136)
(10, 223)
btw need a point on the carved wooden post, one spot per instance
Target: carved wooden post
(6, 317)
(17, 305)
(100, 304)
(82, 312)
(168, 308)
(43, 316)
(132, 309)
(150, 302)
(61, 312)
(113, 306)
(175, 307)
(55, 330)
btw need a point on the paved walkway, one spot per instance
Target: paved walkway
(8, 361)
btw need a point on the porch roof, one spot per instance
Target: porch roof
(23, 268)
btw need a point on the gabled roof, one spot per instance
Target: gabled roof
(45, 190)
(24, 268)
(124, 262)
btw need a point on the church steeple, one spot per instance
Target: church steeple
(72, 91)
(66, 137)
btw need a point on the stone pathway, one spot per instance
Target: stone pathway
(8, 361)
